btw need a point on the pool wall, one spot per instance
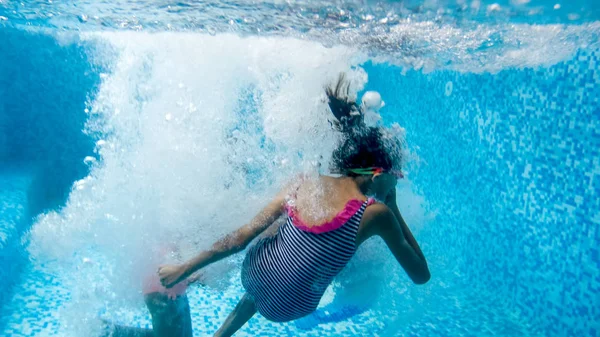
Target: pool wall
(44, 88)
(511, 166)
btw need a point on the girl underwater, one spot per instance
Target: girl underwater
(287, 271)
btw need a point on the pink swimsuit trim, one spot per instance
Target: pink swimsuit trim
(338, 221)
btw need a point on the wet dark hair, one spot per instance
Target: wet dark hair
(360, 146)
(348, 116)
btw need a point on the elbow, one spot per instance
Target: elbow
(240, 246)
(423, 277)
(233, 249)
(234, 244)
(222, 250)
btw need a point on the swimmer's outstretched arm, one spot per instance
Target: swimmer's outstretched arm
(231, 244)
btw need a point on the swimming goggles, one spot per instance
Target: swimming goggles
(376, 170)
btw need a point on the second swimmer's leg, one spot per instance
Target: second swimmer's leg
(244, 310)
(170, 316)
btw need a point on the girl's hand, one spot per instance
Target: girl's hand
(170, 275)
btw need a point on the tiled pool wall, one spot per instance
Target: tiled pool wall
(510, 162)
(44, 87)
(13, 203)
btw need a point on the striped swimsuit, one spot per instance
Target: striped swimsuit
(287, 274)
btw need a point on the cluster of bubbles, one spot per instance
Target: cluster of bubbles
(194, 133)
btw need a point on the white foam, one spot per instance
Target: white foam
(430, 46)
(172, 170)
(197, 133)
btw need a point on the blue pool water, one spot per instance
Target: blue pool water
(124, 123)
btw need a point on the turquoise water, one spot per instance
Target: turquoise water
(125, 123)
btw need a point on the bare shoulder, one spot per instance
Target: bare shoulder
(377, 212)
(376, 217)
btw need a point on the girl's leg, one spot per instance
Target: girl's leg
(170, 317)
(244, 310)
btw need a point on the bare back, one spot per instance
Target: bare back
(319, 200)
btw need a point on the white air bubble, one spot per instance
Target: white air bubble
(494, 8)
(168, 117)
(557, 6)
(80, 184)
(89, 160)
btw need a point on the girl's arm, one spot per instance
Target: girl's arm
(381, 221)
(229, 245)
(385, 221)
(390, 201)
